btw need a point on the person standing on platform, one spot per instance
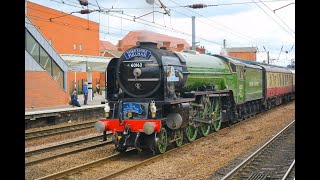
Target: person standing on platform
(98, 88)
(85, 93)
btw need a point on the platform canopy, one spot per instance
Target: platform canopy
(82, 63)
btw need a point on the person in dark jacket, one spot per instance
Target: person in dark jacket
(85, 93)
(74, 99)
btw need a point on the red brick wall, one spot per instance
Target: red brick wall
(41, 90)
(66, 30)
(244, 55)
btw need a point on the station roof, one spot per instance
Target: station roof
(96, 63)
(114, 53)
(106, 45)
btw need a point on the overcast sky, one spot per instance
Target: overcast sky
(243, 23)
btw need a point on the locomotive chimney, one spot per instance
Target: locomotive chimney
(148, 44)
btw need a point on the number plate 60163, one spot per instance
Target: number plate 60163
(136, 65)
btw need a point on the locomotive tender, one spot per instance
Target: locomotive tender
(157, 97)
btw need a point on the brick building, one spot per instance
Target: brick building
(248, 53)
(45, 71)
(70, 36)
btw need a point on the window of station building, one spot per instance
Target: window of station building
(45, 60)
(32, 46)
(57, 74)
(74, 46)
(80, 47)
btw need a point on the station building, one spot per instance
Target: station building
(75, 41)
(45, 71)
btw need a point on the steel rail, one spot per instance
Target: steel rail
(84, 166)
(59, 130)
(50, 148)
(247, 160)
(65, 153)
(288, 171)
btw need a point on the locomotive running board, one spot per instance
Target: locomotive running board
(182, 100)
(213, 93)
(217, 95)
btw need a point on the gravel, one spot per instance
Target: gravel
(204, 158)
(66, 162)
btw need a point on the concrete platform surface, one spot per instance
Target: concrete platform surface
(96, 102)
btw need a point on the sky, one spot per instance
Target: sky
(242, 23)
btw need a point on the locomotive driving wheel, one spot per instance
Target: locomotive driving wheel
(161, 141)
(179, 137)
(191, 132)
(205, 114)
(217, 116)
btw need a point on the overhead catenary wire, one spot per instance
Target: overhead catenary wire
(273, 19)
(217, 28)
(148, 23)
(156, 25)
(221, 4)
(277, 16)
(247, 37)
(91, 29)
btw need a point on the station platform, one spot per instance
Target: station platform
(37, 117)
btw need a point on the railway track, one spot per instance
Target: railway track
(274, 160)
(59, 130)
(108, 170)
(94, 140)
(130, 157)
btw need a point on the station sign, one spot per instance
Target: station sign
(78, 68)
